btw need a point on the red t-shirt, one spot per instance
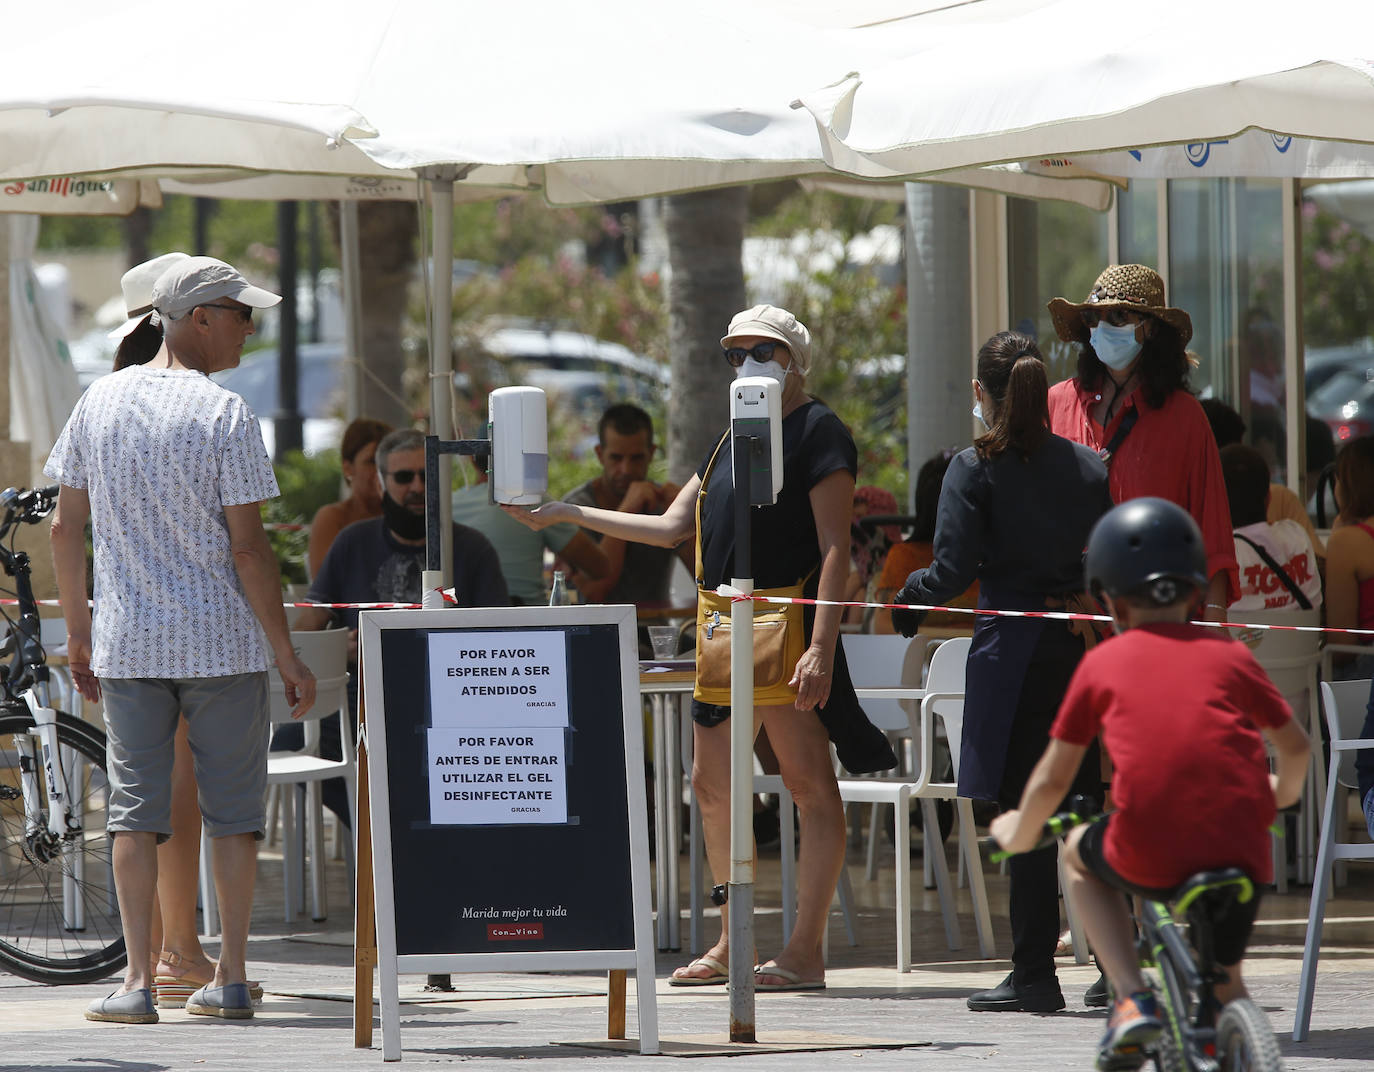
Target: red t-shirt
(1179, 708)
(1170, 454)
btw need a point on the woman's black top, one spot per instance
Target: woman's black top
(1017, 524)
(784, 543)
(785, 547)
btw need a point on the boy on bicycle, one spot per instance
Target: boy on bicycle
(1182, 710)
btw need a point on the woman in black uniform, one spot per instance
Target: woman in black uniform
(804, 534)
(1015, 512)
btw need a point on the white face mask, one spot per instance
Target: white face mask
(771, 369)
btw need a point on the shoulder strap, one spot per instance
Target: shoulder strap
(1122, 431)
(701, 498)
(1369, 530)
(1279, 571)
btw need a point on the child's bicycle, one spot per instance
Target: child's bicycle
(59, 920)
(1199, 1034)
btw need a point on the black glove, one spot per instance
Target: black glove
(907, 622)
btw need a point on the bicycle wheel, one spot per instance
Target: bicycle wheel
(59, 920)
(1245, 1041)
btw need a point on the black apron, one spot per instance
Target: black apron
(997, 659)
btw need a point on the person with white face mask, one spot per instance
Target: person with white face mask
(803, 536)
(1015, 510)
(1130, 401)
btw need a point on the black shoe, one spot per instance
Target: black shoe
(1007, 996)
(1098, 996)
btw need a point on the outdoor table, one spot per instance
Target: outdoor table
(663, 682)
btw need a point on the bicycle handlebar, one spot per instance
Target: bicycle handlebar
(26, 506)
(1081, 810)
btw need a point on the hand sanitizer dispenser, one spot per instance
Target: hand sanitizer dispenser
(518, 419)
(756, 410)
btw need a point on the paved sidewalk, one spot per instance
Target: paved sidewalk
(920, 1018)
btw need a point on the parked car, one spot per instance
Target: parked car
(581, 374)
(1340, 388)
(321, 391)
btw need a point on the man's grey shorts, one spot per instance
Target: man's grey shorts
(227, 726)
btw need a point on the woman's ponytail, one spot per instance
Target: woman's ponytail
(1012, 374)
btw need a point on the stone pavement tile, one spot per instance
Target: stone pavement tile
(496, 1019)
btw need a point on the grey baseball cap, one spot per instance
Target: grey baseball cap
(199, 281)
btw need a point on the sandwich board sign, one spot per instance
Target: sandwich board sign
(508, 819)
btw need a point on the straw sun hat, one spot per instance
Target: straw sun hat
(1129, 286)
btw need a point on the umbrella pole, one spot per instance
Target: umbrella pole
(350, 266)
(440, 181)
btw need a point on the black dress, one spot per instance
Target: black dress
(1020, 525)
(785, 547)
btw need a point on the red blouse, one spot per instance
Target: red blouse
(1169, 454)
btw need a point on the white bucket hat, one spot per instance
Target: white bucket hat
(137, 285)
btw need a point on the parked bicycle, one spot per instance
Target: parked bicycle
(1200, 1034)
(59, 920)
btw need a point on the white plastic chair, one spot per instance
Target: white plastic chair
(1345, 703)
(1293, 662)
(942, 697)
(326, 653)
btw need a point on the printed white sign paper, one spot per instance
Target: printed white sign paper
(514, 679)
(488, 776)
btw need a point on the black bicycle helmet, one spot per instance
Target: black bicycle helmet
(1147, 548)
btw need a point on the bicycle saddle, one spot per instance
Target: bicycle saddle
(1227, 881)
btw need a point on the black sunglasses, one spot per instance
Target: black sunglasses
(407, 476)
(760, 351)
(1117, 317)
(245, 312)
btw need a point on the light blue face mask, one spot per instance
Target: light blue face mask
(1115, 347)
(978, 415)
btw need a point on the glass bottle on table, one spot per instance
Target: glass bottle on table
(558, 594)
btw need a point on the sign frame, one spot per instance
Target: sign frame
(640, 957)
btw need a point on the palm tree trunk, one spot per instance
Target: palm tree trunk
(386, 240)
(705, 289)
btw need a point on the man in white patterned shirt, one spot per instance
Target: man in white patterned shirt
(170, 469)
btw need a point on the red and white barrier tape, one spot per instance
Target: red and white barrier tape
(325, 606)
(1054, 615)
(736, 596)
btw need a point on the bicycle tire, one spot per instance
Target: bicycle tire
(35, 942)
(1245, 1041)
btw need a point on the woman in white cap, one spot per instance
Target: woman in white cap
(1130, 402)
(805, 534)
(183, 965)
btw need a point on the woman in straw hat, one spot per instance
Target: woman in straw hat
(1130, 402)
(805, 534)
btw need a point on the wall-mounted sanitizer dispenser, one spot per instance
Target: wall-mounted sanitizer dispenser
(518, 421)
(756, 411)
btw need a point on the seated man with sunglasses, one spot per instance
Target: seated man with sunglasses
(381, 560)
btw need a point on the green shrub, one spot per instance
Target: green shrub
(307, 482)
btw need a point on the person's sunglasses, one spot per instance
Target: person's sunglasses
(407, 476)
(760, 352)
(245, 312)
(1117, 317)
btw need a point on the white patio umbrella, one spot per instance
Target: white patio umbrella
(1062, 77)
